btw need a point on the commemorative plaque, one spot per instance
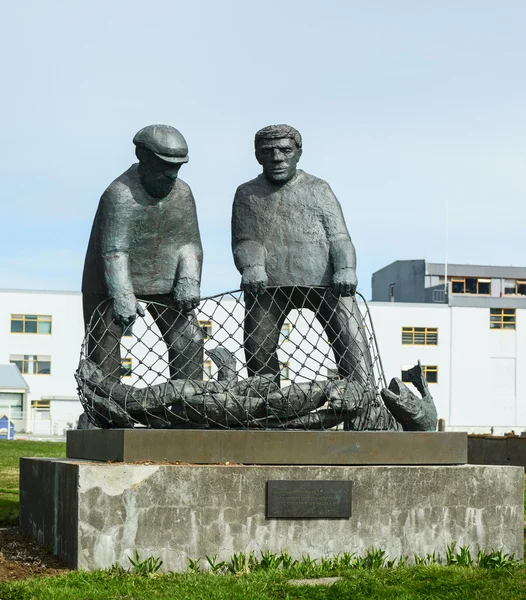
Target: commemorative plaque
(312, 499)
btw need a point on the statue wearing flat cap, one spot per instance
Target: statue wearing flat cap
(145, 244)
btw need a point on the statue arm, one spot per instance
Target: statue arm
(249, 254)
(341, 249)
(115, 239)
(187, 284)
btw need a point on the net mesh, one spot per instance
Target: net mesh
(290, 358)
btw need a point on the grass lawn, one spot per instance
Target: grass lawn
(405, 583)
(10, 453)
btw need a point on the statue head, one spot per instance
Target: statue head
(278, 150)
(161, 151)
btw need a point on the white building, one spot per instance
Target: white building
(42, 335)
(471, 347)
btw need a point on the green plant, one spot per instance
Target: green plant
(148, 567)
(428, 559)
(374, 559)
(345, 561)
(193, 565)
(495, 559)
(242, 563)
(269, 560)
(215, 565)
(287, 561)
(307, 565)
(459, 559)
(116, 570)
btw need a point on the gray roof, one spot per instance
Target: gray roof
(476, 271)
(11, 378)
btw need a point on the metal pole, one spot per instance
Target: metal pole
(447, 244)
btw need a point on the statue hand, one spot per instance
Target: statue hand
(344, 282)
(254, 279)
(187, 294)
(125, 310)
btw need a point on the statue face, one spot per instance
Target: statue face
(279, 158)
(162, 168)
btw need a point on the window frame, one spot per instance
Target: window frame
(430, 369)
(478, 280)
(500, 312)
(425, 368)
(428, 331)
(41, 404)
(454, 280)
(39, 319)
(36, 359)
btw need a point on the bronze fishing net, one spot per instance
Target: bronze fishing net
(290, 358)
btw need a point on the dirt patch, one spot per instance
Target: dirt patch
(21, 557)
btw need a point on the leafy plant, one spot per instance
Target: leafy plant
(459, 559)
(345, 561)
(374, 559)
(269, 560)
(428, 559)
(287, 561)
(307, 565)
(215, 565)
(193, 565)
(402, 560)
(495, 559)
(149, 567)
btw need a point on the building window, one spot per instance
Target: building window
(510, 287)
(471, 285)
(128, 332)
(430, 373)
(127, 367)
(391, 292)
(12, 402)
(515, 286)
(206, 326)
(284, 370)
(42, 404)
(502, 318)
(31, 324)
(207, 370)
(284, 333)
(484, 287)
(29, 364)
(420, 336)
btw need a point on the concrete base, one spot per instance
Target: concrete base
(94, 514)
(271, 447)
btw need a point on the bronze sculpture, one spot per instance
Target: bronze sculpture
(293, 250)
(289, 233)
(145, 245)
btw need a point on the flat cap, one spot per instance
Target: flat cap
(164, 141)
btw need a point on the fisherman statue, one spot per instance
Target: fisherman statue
(145, 245)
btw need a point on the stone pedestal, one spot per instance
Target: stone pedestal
(94, 514)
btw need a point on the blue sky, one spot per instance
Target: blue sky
(401, 105)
